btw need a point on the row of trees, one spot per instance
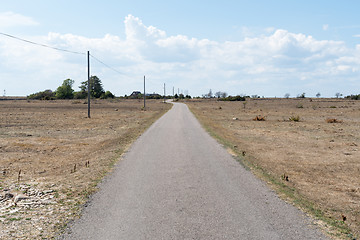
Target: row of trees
(287, 95)
(65, 91)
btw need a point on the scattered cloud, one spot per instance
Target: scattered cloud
(357, 35)
(270, 64)
(10, 19)
(325, 27)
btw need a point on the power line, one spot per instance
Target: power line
(60, 49)
(106, 65)
(42, 45)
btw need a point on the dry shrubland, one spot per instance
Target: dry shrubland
(320, 161)
(52, 156)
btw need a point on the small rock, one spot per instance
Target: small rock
(235, 118)
(48, 191)
(9, 195)
(20, 197)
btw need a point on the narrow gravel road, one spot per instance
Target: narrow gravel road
(176, 182)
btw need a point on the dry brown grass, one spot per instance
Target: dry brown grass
(333, 120)
(321, 161)
(259, 118)
(57, 147)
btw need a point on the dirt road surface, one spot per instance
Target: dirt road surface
(176, 182)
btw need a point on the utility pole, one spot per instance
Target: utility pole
(164, 93)
(144, 94)
(88, 60)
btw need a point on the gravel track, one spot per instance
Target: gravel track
(176, 182)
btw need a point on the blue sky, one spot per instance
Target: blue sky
(267, 48)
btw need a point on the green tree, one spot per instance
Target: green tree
(44, 95)
(107, 95)
(65, 91)
(96, 88)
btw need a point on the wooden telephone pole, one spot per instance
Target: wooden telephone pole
(144, 94)
(88, 60)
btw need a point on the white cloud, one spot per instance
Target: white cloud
(10, 19)
(270, 64)
(325, 27)
(357, 35)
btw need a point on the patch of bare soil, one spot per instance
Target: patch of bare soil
(52, 156)
(311, 145)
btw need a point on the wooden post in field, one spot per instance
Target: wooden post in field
(88, 59)
(144, 94)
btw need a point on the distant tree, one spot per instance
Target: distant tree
(287, 95)
(231, 98)
(301, 95)
(80, 95)
(44, 95)
(224, 94)
(176, 96)
(337, 95)
(65, 91)
(96, 88)
(210, 94)
(220, 94)
(107, 95)
(353, 97)
(318, 95)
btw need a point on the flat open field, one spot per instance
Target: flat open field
(52, 156)
(312, 163)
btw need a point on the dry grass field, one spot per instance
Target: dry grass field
(313, 162)
(52, 156)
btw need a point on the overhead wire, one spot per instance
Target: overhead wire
(40, 44)
(106, 64)
(60, 49)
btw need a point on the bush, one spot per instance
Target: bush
(231, 98)
(107, 95)
(333, 120)
(353, 97)
(80, 95)
(44, 95)
(294, 118)
(259, 118)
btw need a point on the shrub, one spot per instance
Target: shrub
(353, 97)
(333, 120)
(231, 98)
(259, 118)
(44, 95)
(80, 95)
(294, 118)
(107, 95)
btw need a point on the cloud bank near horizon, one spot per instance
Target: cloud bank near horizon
(271, 64)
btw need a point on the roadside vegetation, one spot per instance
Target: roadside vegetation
(65, 91)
